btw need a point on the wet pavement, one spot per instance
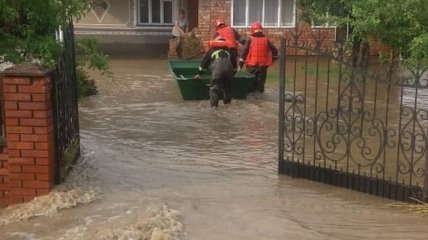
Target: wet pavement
(157, 167)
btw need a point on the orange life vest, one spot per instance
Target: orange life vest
(259, 53)
(228, 34)
(217, 44)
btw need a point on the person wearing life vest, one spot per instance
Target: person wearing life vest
(257, 55)
(232, 38)
(218, 59)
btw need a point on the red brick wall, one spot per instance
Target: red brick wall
(209, 10)
(27, 162)
(192, 13)
(4, 176)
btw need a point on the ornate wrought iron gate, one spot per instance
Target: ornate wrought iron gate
(66, 107)
(354, 127)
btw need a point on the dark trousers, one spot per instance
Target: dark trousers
(221, 87)
(260, 74)
(234, 57)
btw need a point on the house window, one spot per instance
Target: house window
(156, 12)
(271, 13)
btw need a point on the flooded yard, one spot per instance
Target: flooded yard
(156, 167)
(366, 122)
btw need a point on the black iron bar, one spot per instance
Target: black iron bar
(281, 117)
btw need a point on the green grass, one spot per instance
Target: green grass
(68, 159)
(311, 71)
(322, 70)
(272, 78)
(419, 207)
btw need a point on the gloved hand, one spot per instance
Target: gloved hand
(241, 63)
(274, 58)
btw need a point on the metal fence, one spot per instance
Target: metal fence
(363, 128)
(66, 107)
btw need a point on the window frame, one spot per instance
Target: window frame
(162, 14)
(247, 23)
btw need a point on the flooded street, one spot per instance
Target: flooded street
(156, 167)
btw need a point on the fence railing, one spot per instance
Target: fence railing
(349, 125)
(66, 107)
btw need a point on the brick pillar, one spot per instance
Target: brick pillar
(4, 175)
(29, 154)
(205, 22)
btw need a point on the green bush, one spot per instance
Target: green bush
(89, 58)
(401, 25)
(85, 85)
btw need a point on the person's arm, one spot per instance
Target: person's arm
(187, 26)
(244, 53)
(177, 26)
(238, 37)
(273, 50)
(205, 63)
(181, 31)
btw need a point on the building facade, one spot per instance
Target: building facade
(132, 22)
(278, 17)
(151, 21)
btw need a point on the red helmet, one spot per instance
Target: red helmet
(256, 27)
(219, 22)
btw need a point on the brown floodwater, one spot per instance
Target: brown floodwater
(156, 167)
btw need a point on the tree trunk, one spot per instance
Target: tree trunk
(360, 53)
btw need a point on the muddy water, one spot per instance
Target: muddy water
(156, 167)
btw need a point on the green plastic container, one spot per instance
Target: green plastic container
(197, 89)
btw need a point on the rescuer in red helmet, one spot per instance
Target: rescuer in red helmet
(222, 71)
(231, 36)
(258, 54)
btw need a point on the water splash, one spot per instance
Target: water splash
(156, 223)
(75, 191)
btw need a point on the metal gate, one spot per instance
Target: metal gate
(66, 107)
(362, 128)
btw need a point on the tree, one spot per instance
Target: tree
(401, 25)
(27, 33)
(27, 28)
(340, 14)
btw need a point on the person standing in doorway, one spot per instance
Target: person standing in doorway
(181, 26)
(218, 58)
(258, 54)
(179, 31)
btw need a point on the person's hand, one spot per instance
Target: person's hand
(197, 76)
(241, 63)
(274, 58)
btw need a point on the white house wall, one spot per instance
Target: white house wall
(119, 14)
(115, 21)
